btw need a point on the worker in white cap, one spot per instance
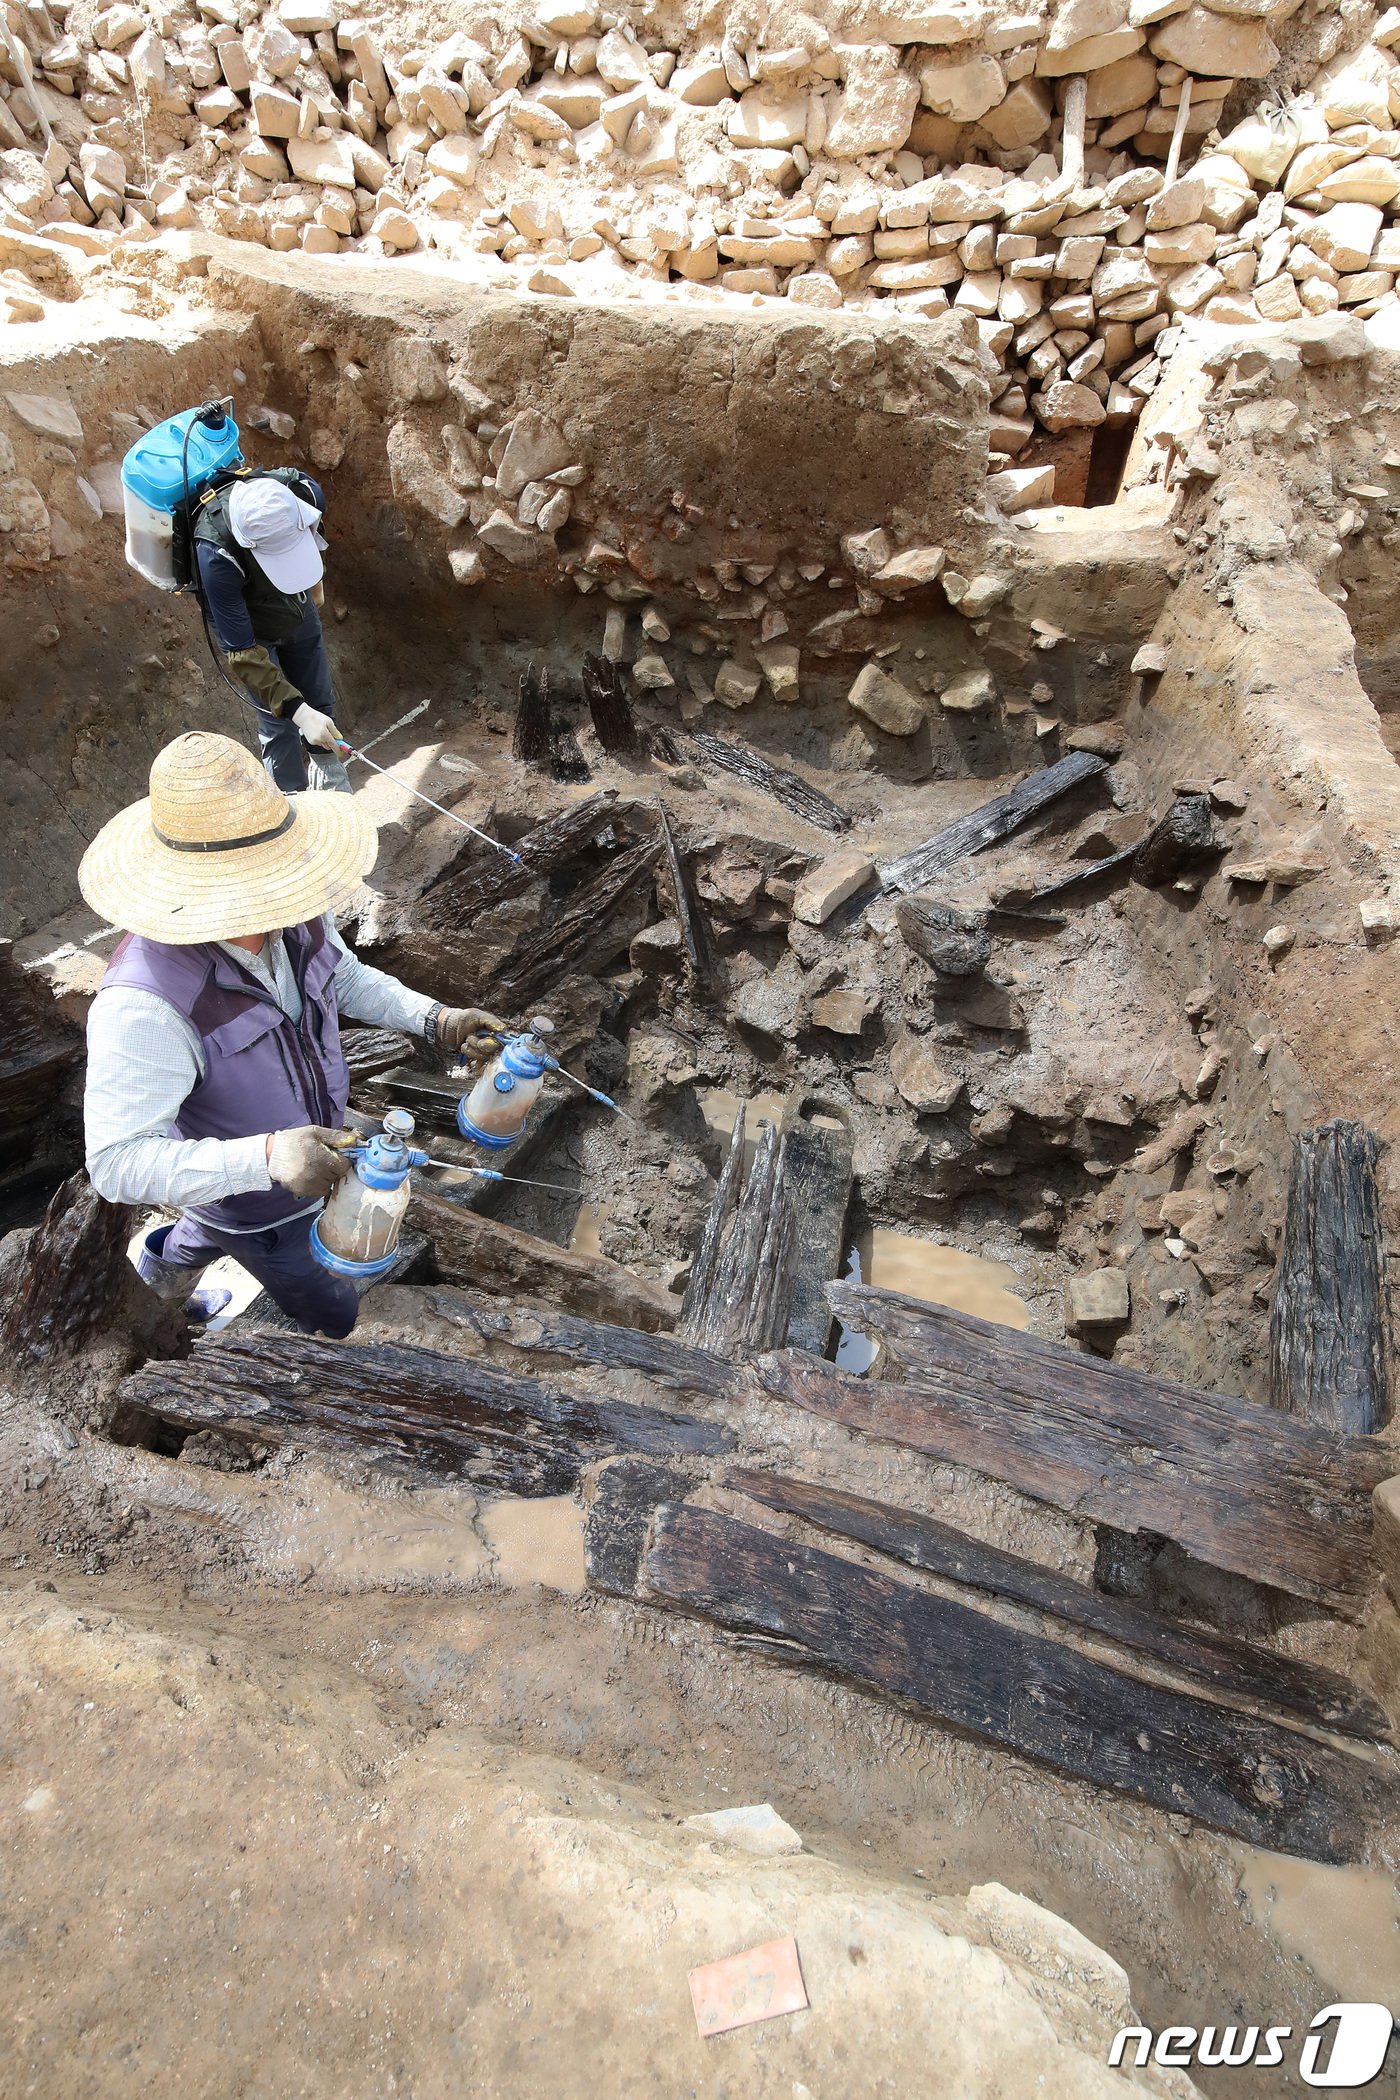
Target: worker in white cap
(258, 541)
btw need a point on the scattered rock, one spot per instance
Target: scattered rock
(828, 885)
(924, 1080)
(885, 702)
(1098, 1298)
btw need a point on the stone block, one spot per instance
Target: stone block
(1099, 1298)
(826, 886)
(885, 702)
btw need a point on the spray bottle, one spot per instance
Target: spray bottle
(495, 1111)
(357, 1234)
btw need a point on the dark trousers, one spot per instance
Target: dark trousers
(303, 662)
(280, 1258)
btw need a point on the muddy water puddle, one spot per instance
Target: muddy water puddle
(899, 1261)
(1344, 1922)
(586, 1237)
(536, 1541)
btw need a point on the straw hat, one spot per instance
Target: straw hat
(217, 850)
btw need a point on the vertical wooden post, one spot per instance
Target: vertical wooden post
(1329, 1338)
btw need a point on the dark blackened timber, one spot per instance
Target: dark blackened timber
(626, 1495)
(819, 1164)
(746, 1305)
(614, 724)
(789, 789)
(665, 1360)
(706, 1259)
(1238, 1485)
(1230, 1667)
(370, 1051)
(484, 878)
(1083, 878)
(451, 1414)
(74, 1280)
(38, 1050)
(585, 934)
(699, 945)
(992, 822)
(1329, 1338)
(566, 759)
(1237, 1773)
(530, 743)
(486, 1255)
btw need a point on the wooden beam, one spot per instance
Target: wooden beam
(663, 1359)
(820, 1171)
(989, 823)
(625, 1496)
(740, 1291)
(1237, 1485)
(73, 1280)
(701, 954)
(1329, 1334)
(583, 934)
(448, 1414)
(38, 1051)
(481, 879)
(489, 1256)
(789, 789)
(1219, 1663)
(1238, 1773)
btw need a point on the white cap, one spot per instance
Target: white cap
(279, 531)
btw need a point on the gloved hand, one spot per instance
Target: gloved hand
(318, 729)
(306, 1161)
(468, 1030)
(263, 678)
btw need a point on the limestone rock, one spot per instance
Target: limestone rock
(844, 1011)
(535, 449)
(48, 415)
(1345, 235)
(1067, 406)
(779, 663)
(876, 109)
(1024, 116)
(925, 1081)
(1022, 488)
(970, 693)
(1099, 1298)
(514, 542)
(328, 161)
(415, 478)
(395, 229)
(910, 569)
(761, 119)
(1206, 42)
(884, 701)
(760, 1829)
(829, 884)
(964, 91)
(736, 685)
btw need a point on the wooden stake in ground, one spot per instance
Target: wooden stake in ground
(605, 690)
(1329, 1339)
(531, 741)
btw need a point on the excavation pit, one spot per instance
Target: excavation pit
(1061, 1065)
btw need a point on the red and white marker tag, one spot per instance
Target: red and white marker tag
(756, 1985)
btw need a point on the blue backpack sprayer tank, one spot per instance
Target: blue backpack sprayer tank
(161, 475)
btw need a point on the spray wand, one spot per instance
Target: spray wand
(453, 1166)
(349, 751)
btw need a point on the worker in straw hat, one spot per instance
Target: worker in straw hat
(216, 1083)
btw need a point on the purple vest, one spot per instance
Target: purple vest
(262, 1070)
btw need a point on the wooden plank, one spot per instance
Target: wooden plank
(661, 1357)
(1329, 1335)
(614, 724)
(626, 1495)
(1230, 1667)
(583, 934)
(1239, 1486)
(789, 789)
(698, 941)
(481, 878)
(372, 1051)
(820, 1170)
(742, 1283)
(1066, 886)
(990, 823)
(73, 1282)
(490, 1256)
(448, 1414)
(1238, 1773)
(706, 1257)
